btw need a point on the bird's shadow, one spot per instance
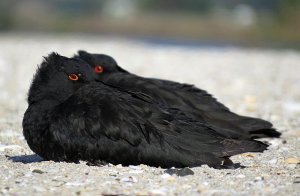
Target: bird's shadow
(33, 158)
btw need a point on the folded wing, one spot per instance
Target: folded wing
(117, 126)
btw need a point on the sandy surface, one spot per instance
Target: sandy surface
(261, 83)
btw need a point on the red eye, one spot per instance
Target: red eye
(73, 77)
(98, 69)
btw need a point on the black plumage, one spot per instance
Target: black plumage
(193, 101)
(73, 117)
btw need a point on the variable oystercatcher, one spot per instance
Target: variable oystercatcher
(73, 117)
(193, 101)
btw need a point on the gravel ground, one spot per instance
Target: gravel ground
(255, 82)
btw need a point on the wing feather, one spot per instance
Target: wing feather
(102, 122)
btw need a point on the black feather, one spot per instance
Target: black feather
(193, 101)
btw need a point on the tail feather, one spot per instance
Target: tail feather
(250, 127)
(261, 133)
(258, 128)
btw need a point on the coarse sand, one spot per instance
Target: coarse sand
(263, 83)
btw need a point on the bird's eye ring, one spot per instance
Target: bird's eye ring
(73, 77)
(98, 69)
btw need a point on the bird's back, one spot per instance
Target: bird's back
(195, 102)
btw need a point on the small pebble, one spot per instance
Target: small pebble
(136, 171)
(161, 191)
(135, 167)
(165, 175)
(291, 160)
(284, 141)
(180, 172)
(275, 142)
(297, 180)
(6, 147)
(75, 183)
(240, 176)
(129, 179)
(248, 155)
(38, 171)
(258, 178)
(273, 161)
(201, 189)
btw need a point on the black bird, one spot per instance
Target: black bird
(71, 117)
(193, 101)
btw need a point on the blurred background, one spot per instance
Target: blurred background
(262, 23)
(245, 52)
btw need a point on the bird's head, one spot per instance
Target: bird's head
(101, 63)
(58, 77)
